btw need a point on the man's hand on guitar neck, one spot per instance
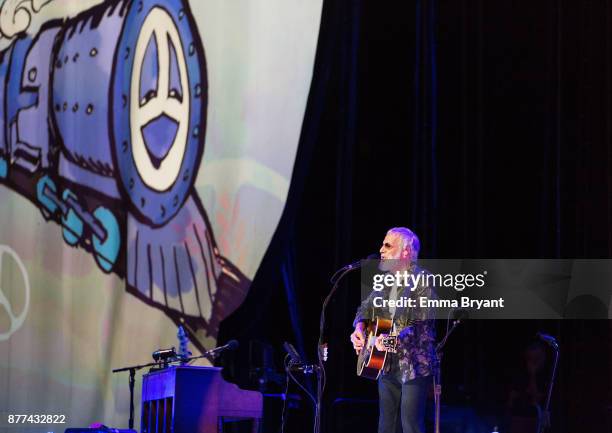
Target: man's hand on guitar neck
(358, 337)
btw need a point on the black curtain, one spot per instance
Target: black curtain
(484, 126)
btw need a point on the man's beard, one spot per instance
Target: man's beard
(391, 265)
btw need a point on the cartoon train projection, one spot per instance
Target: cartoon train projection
(103, 119)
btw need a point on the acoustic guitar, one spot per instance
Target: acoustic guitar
(371, 361)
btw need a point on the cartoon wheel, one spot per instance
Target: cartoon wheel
(106, 251)
(72, 225)
(3, 168)
(159, 108)
(45, 193)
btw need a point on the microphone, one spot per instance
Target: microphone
(231, 345)
(350, 267)
(548, 339)
(359, 262)
(293, 354)
(296, 363)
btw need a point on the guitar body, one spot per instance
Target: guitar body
(370, 361)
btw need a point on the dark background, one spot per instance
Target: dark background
(484, 126)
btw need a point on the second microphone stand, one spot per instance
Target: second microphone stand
(438, 374)
(544, 417)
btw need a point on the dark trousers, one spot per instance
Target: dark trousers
(402, 405)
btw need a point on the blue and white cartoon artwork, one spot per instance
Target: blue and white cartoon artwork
(102, 122)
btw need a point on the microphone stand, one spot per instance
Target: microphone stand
(438, 374)
(320, 371)
(544, 418)
(209, 354)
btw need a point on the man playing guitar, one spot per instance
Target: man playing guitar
(407, 374)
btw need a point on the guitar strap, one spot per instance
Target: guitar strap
(393, 296)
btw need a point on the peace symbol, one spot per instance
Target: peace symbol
(163, 102)
(16, 320)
